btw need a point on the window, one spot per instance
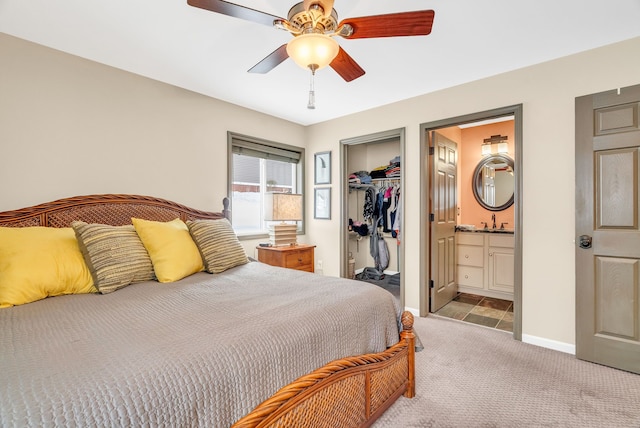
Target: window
(256, 167)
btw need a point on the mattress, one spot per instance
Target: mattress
(203, 351)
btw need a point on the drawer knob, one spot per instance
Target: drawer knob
(466, 256)
(466, 276)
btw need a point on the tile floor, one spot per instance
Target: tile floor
(486, 311)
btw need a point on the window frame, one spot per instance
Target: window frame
(239, 140)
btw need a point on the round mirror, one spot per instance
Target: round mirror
(494, 183)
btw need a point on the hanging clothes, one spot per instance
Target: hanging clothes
(397, 221)
(395, 193)
(379, 208)
(379, 250)
(386, 206)
(368, 209)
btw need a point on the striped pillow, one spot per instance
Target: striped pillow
(114, 254)
(218, 244)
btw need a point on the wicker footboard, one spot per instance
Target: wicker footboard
(351, 392)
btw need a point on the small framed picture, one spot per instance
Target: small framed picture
(322, 203)
(322, 163)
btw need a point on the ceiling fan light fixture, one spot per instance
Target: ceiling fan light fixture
(312, 49)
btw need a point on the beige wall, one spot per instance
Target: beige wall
(70, 127)
(547, 92)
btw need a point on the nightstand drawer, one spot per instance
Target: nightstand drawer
(298, 259)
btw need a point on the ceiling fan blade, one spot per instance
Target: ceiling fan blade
(271, 61)
(237, 11)
(346, 67)
(416, 23)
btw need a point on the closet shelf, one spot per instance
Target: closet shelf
(375, 183)
(357, 236)
(361, 186)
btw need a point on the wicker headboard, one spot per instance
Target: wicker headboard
(114, 210)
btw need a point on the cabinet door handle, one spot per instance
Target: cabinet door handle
(490, 254)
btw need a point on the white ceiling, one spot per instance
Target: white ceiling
(209, 53)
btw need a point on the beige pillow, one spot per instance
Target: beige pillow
(37, 262)
(173, 253)
(218, 244)
(114, 254)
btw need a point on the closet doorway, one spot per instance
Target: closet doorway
(359, 156)
(485, 256)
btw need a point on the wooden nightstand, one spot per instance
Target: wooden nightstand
(298, 257)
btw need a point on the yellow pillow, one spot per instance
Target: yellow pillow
(173, 253)
(37, 262)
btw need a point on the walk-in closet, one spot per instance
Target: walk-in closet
(373, 211)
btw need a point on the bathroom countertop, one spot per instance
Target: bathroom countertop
(504, 231)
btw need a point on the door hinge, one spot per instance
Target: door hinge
(431, 150)
(432, 217)
(431, 283)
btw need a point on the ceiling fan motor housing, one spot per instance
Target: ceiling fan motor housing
(313, 20)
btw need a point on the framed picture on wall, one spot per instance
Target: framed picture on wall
(322, 163)
(322, 203)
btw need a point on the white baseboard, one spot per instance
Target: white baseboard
(551, 344)
(414, 312)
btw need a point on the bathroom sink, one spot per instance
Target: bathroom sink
(507, 231)
(499, 231)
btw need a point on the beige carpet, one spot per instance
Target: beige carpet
(472, 376)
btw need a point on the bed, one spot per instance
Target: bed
(249, 346)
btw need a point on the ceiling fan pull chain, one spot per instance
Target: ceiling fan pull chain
(311, 105)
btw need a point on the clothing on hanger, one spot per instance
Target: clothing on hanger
(368, 209)
(397, 221)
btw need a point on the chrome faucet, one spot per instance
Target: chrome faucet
(493, 218)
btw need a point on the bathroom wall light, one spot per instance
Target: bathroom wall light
(500, 141)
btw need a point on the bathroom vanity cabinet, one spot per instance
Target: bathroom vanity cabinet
(485, 263)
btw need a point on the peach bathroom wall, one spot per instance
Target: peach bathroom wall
(469, 155)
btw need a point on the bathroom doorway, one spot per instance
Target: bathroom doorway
(486, 251)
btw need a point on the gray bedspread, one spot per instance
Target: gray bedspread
(203, 351)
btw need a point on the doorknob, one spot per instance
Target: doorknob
(585, 241)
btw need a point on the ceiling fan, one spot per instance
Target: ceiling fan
(314, 23)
